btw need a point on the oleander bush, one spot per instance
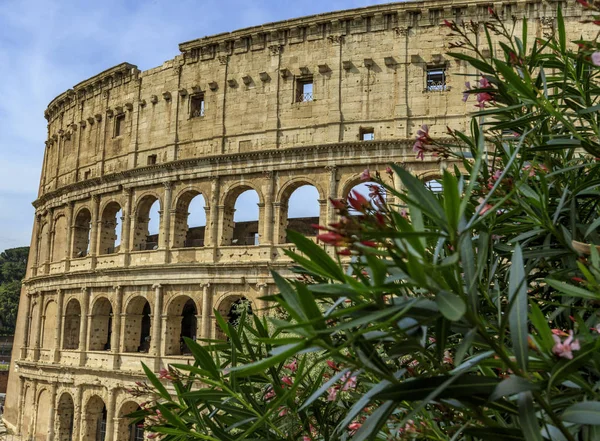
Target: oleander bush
(466, 314)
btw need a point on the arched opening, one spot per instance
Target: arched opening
(27, 416)
(127, 429)
(241, 218)
(110, 229)
(373, 192)
(49, 325)
(190, 220)
(182, 322)
(81, 233)
(137, 326)
(231, 308)
(147, 224)
(101, 325)
(33, 321)
(95, 418)
(300, 209)
(65, 414)
(42, 420)
(434, 185)
(72, 325)
(60, 239)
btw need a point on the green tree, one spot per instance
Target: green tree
(13, 265)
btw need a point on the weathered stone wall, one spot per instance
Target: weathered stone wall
(91, 308)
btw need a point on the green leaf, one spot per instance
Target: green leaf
(451, 306)
(571, 290)
(477, 64)
(587, 412)
(471, 362)
(420, 193)
(317, 255)
(517, 319)
(374, 422)
(320, 391)
(203, 357)
(419, 388)
(511, 386)
(562, 34)
(282, 353)
(160, 389)
(527, 418)
(495, 434)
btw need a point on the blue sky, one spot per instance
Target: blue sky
(47, 46)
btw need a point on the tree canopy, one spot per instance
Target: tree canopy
(13, 264)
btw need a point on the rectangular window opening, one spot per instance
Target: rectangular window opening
(151, 159)
(367, 134)
(304, 89)
(119, 124)
(436, 78)
(434, 16)
(87, 174)
(197, 105)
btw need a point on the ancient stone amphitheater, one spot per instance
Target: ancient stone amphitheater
(305, 102)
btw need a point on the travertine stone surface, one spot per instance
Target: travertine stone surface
(222, 117)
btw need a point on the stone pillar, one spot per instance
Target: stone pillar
(48, 243)
(27, 326)
(323, 204)
(165, 237)
(70, 230)
(38, 328)
(156, 324)
(52, 410)
(332, 192)
(95, 230)
(279, 215)
(207, 299)
(110, 415)
(126, 225)
(115, 343)
(21, 404)
(263, 290)
(59, 325)
(83, 325)
(78, 413)
(268, 218)
(214, 212)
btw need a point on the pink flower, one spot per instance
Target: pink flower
(332, 365)
(596, 58)
(306, 438)
(358, 201)
(482, 209)
(293, 366)
(422, 142)
(483, 98)
(529, 168)
(565, 349)
(348, 381)
(354, 426)
(270, 394)
(332, 393)
(484, 83)
(365, 175)
(389, 171)
(287, 380)
(283, 411)
(151, 435)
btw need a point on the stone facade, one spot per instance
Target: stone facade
(312, 101)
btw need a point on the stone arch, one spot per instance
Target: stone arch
(100, 331)
(127, 429)
(181, 321)
(59, 246)
(109, 222)
(71, 324)
(226, 305)
(81, 233)
(65, 417)
(138, 325)
(36, 309)
(185, 235)
(355, 181)
(243, 233)
(301, 224)
(95, 419)
(432, 179)
(49, 325)
(42, 420)
(141, 236)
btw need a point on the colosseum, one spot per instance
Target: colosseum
(264, 110)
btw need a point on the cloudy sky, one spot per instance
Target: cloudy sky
(47, 46)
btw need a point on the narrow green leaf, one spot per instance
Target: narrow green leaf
(517, 319)
(160, 389)
(320, 391)
(571, 290)
(317, 255)
(451, 306)
(374, 422)
(471, 362)
(527, 417)
(587, 412)
(259, 366)
(419, 388)
(511, 386)
(203, 357)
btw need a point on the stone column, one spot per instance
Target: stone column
(115, 343)
(52, 410)
(156, 324)
(95, 230)
(279, 212)
(48, 243)
(68, 251)
(332, 192)
(268, 219)
(83, 325)
(27, 326)
(21, 403)
(207, 299)
(78, 413)
(38, 329)
(110, 415)
(164, 241)
(126, 225)
(214, 212)
(263, 290)
(59, 322)
(323, 205)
